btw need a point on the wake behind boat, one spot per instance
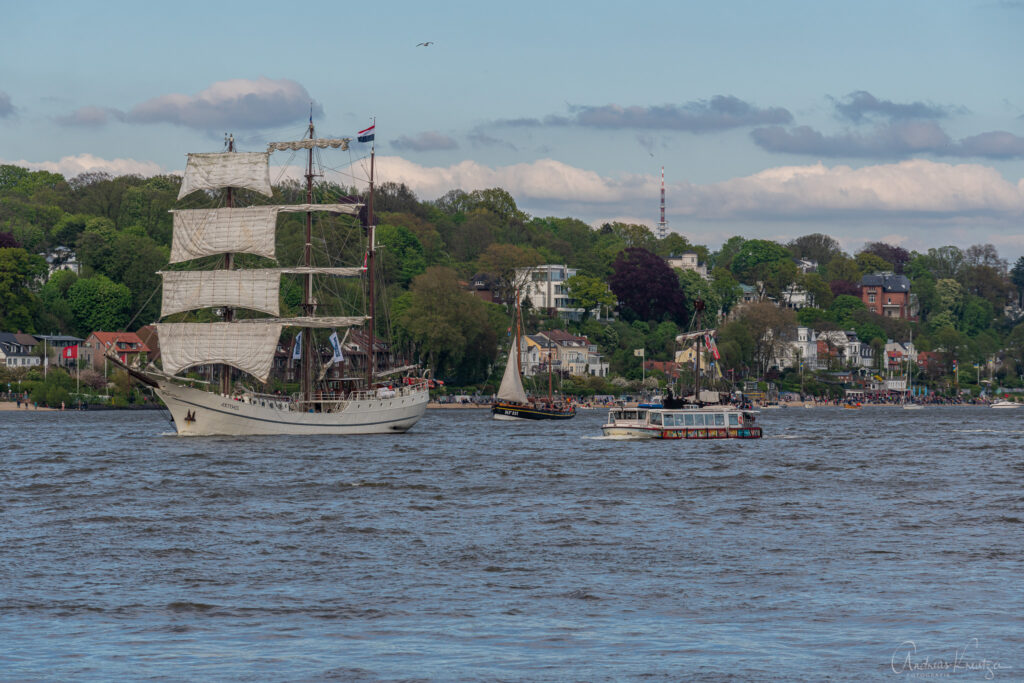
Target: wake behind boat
(363, 404)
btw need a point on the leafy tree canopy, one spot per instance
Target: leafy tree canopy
(647, 287)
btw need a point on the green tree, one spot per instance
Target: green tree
(869, 263)
(449, 326)
(766, 323)
(403, 256)
(757, 260)
(842, 268)
(1017, 278)
(843, 308)
(724, 256)
(98, 304)
(510, 266)
(726, 289)
(818, 289)
(695, 287)
(19, 272)
(816, 247)
(590, 293)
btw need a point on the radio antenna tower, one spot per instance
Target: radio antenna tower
(661, 232)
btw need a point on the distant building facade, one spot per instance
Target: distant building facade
(888, 294)
(125, 345)
(689, 260)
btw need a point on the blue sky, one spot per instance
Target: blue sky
(901, 121)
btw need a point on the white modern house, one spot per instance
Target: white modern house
(688, 260)
(796, 346)
(546, 290)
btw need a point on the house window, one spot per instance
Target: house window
(871, 297)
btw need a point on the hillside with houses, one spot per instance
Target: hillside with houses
(602, 305)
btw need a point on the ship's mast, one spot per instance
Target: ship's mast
(229, 263)
(308, 306)
(370, 253)
(698, 310)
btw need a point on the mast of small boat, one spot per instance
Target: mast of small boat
(229, 263)
(550, 363)
(698, 309)
(910, 379)
(308, 307)
(370, 253)
(519, 349)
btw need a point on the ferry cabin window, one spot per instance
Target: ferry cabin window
(734, 419)
(689, 420)
(655, 418)
(719, 420)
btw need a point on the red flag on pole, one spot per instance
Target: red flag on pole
(70, 352)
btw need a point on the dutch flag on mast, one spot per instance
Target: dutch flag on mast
(366, 135)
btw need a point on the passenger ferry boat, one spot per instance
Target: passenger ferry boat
(676, 418)
(688, 422)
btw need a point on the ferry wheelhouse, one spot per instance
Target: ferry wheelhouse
(688, 422)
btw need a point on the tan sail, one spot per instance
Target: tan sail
(511, 388)
(187, 290)
(249, 170)
(249, 230)
(250, 348)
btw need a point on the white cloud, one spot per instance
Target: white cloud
(71, 166)
(237, 104)
(915, 187)
(544, 179)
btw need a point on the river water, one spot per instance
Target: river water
(876, 544)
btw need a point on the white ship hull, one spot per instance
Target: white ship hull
(202, 413)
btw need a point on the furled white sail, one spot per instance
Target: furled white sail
(511, 388)
(250, 348)
(319, 143)
(205, 232)
(350, 209)
(314, 270)
(305, 321)
(258, 290)
(249, 170)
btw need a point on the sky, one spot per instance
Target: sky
(900, 121)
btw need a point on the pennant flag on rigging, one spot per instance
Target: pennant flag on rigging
(297, 349)
(366, 134)
(338, 356)
(70, 352)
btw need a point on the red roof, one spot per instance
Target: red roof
(115, 339)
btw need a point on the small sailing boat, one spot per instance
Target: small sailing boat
(512, 402)
(352, 405)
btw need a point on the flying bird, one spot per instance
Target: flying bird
(426, 44)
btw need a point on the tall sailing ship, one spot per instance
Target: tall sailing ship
(359, 405)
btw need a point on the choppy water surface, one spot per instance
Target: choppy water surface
(475, 550)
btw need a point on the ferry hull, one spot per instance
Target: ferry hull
(201, 413)
(652, 432)
(515, 411)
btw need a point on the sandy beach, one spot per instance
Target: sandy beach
(11, 405)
